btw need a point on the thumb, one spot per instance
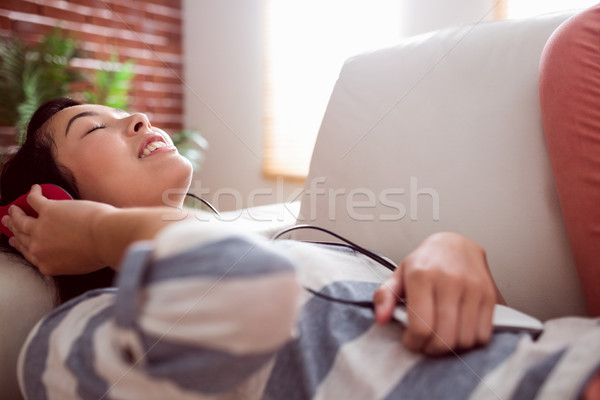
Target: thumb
(387, 296)
(36, 198)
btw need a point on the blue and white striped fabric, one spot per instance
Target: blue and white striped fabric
(201, 314)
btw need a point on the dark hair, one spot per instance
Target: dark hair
(34, 163)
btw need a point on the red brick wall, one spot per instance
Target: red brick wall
(147, 31)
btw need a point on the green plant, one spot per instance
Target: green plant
(111, 84)
(191, 144)
(32, 75)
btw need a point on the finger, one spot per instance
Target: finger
(420, 312)
(19, 222)
(17, 244)
(21, 246)
(13, 222)
(468, 325)
(447, 323)
(486, 315)
(21, 242)
(386, 297)
(35, 198)
(7, 222)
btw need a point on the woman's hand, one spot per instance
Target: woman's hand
(60, 240)
(71, 237)
(449, 294)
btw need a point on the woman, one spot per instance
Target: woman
(109, 156)
(51, 157)
(122, 166)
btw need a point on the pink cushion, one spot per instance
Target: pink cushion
(570, 103)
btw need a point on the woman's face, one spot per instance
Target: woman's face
(119, 158)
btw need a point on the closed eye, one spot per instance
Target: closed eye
(99, 126)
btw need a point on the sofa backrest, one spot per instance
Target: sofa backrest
(443, 133)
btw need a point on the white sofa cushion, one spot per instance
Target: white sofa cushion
(443, 133)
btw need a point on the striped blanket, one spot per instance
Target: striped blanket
(201, 313)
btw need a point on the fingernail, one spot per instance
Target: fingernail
(4, 220)
(377, 313)
(11, 241)
(377, 296)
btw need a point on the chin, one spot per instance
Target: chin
(173, 195)
(179, 173)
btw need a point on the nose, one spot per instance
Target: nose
(138, 123)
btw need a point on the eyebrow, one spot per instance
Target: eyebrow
(81, 114)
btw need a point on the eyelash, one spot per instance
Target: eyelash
(100, 126)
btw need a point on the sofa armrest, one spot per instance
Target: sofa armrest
(25, 297)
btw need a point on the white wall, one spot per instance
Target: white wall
(223, 50)
(419, 16)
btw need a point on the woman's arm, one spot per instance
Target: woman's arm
(449, 294)
(76, 236)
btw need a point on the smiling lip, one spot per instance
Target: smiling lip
(150, 139)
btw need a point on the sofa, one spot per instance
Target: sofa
(442, 132)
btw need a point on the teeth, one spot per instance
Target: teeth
(151, 147)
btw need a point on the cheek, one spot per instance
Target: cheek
(111, 174)
(94, 165)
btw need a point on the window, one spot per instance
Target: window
(307, 42)
(529, 8)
